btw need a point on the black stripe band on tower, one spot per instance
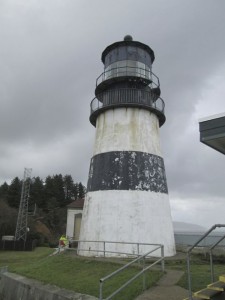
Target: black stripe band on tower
(127, 170)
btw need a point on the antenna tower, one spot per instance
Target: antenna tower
(21, 227)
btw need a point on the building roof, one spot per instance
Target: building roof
(212, 132)
(128, 43)
(79, 203)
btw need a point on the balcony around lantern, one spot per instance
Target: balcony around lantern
(118, 72)
(127, 97)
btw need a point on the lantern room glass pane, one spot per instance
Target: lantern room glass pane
(127, 68)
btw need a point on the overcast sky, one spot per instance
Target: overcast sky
(50, 57)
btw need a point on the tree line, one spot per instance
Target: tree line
(55, 191)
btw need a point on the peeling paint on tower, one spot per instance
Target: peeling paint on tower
(127, 170)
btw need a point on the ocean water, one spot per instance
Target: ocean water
(190, 238)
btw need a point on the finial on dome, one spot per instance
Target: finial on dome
(128, 38)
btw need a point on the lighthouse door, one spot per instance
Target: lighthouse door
(77, 222)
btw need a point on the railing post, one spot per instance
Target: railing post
(211, 256)
(138, 252)
(100, 290)
(104, 247)
(144, 275)
(163, 261)
(189, 276)
(211, 266)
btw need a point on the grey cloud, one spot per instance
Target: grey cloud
(50, 58)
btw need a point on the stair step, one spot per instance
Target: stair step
(222, 278)
(217, 286)
(206, 293)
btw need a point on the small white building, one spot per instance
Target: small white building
(74, 216)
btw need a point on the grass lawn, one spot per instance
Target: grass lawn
(75, 273)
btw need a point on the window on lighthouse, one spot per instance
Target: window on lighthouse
(127, 68)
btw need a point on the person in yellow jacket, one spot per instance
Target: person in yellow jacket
(63, 242)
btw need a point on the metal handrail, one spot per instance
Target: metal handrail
(128, 71)
(139, 258)
(127, 97)
(144, 269)
(211, 257)
(192, 247)
(110, 242)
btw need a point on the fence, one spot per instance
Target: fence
(103, 249)
(18, 245)
(142, 272)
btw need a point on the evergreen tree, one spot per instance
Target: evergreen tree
(8, 219)
(54, 192)
(68, 188)
(59, 189)
(49, 194)
(4, 190)
(75, 190)
(36, 192)
(14, 192)
(81, 190)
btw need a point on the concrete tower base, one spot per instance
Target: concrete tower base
(127, 216)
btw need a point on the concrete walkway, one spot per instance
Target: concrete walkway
(166, 288)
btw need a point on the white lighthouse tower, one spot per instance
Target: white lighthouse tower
(127, 195)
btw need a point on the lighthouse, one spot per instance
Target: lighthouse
(127, 196)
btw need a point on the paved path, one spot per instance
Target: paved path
(166, 288)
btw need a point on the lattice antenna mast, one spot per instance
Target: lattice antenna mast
(21, 227)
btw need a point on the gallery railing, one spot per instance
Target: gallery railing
(128, 71)
(127, 97)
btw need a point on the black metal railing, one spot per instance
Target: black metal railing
(128, 98)
(127, 71)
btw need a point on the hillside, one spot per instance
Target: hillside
(187, 227)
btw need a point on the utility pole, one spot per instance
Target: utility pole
(21, 227)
